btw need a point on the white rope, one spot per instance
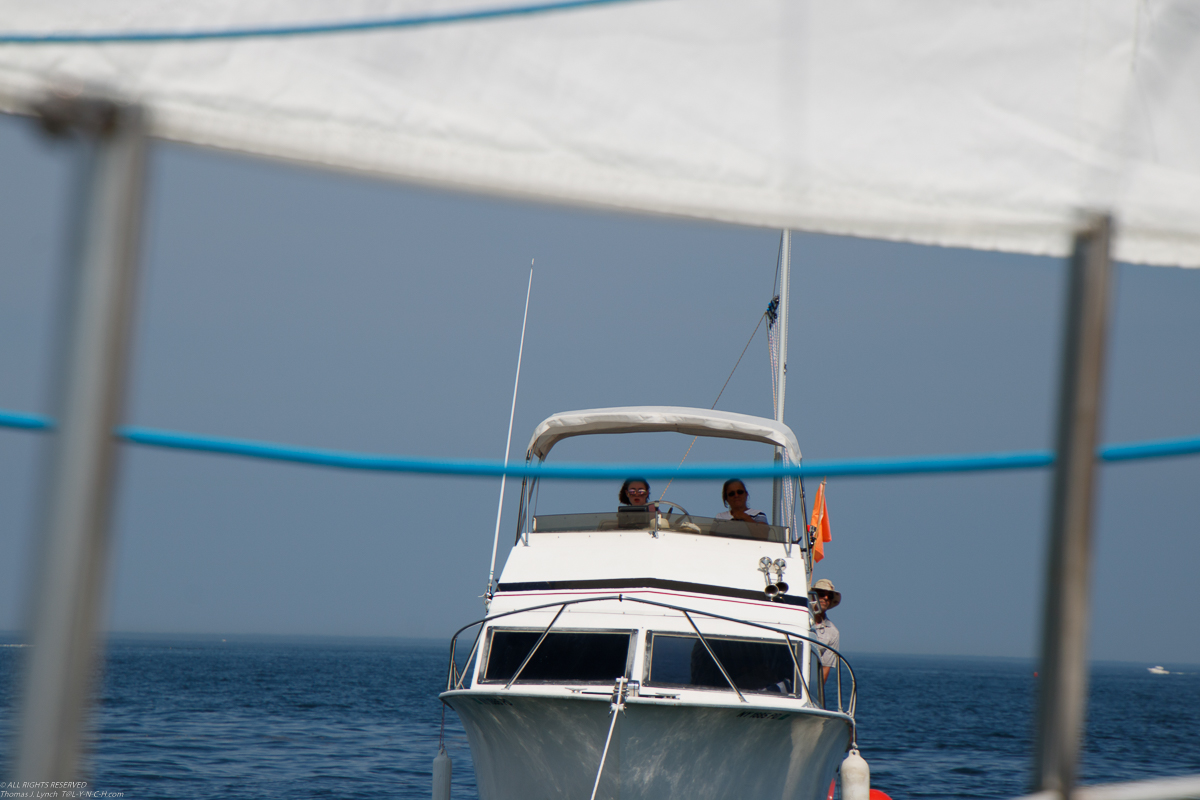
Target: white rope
(618, 705)
(773, 352)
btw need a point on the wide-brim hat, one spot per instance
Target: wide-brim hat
(826, 585)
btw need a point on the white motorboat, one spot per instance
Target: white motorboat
(647, 652)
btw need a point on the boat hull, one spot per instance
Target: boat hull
(532, 747)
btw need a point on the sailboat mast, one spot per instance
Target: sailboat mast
(781, 336)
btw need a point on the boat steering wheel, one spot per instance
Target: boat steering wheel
(683, 516)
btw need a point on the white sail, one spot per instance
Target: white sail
(952, 122)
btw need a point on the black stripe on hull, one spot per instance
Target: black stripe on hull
(648, 583)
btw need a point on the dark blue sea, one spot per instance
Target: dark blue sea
(260, 718)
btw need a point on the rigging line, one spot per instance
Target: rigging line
(778, 262)
(419, 20)
(772, 357)
(685, 455)
(739, 361)
(770, 314)
(714, 405)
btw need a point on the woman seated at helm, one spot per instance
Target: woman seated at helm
(637, 510)
(735, 497)
(636, 492)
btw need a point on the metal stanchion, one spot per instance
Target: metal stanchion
(69, 587)
(1062, 700)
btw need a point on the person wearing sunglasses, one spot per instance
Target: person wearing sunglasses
(824, 631)
(735, 497)
(636, 492)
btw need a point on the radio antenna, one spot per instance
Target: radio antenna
(487, 595)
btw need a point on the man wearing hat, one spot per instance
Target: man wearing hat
(823, 630)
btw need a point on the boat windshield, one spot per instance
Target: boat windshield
(562, 657)
(753, 665)
(634, 520)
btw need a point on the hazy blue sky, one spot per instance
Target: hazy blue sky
(292, 305)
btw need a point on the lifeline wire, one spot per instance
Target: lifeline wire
(872, 467)
(420, 20)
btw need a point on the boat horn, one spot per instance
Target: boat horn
(764, 566)
(780, 566)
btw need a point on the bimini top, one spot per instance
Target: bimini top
(649, 419)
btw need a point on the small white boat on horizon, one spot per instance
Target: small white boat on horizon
(1158, 670)
(648, 653)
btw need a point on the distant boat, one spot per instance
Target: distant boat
(1158, 670)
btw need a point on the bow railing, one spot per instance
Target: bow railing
(844, 703)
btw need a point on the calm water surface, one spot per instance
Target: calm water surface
(242, 718)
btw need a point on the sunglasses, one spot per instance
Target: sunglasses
(735, 493)
(637, 491)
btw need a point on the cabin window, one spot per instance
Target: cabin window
(564, 656)
(753, 664)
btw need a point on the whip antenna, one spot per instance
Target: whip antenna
(487, 595)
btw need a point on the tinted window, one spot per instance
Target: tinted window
(562, 657)
(754, 666)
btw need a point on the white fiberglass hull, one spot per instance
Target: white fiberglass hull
(533, 747)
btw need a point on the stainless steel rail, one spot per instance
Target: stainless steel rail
(720, 666)
(1062, 691)
(456, 678)
(75, 536)
(535, 647)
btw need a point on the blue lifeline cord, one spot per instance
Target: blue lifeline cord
(873, 467)
(420, 20)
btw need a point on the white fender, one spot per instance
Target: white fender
(441, 775)
(856, 778)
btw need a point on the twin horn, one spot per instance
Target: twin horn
(775, 588)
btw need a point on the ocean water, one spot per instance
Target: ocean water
(261, 718)
(963, 727)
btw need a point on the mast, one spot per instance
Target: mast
(781, 336)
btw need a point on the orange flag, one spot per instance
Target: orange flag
(820, 524)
